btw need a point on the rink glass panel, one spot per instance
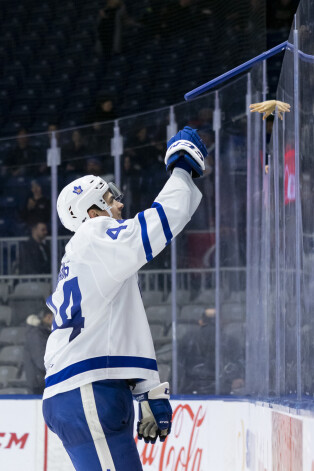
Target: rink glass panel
(195, 260)
(306, 80)
(231, 233)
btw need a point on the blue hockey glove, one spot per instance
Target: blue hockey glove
(155, 414)
(187, 144)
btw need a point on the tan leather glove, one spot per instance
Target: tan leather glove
(269, 106)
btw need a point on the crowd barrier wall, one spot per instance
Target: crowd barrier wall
(209, 434)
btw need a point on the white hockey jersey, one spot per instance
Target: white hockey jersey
(100, 329)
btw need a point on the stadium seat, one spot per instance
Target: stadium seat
(5, 313)
(32, 289)
(12, 336)
(16, 68)
(55, 96)
(130, 106)
(206, 297)
(28, 298)
(8, 205)
(153, 297)
(4, 292)
(22, 114)
(41, 124)
(134, 90)
(237, 296)
(7, 373)
(183, 297)
(56, 38)
(38, 25)
(19, 188)
(231, 312)
(236, 330)
(164, 353)
(160, 335)
(160, 314)
(191, 313)
(8, 83)
(48, 109)
(12, 355)
(19, 382)
(30, 97)
(164, 372)
(184, 330)
(14, 391)
(41, 68)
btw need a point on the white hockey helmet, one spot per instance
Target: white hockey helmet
(77, 198)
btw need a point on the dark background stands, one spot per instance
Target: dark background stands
(35, 252)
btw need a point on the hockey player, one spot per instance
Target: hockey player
(100, 351)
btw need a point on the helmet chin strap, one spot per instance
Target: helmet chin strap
(108, 209)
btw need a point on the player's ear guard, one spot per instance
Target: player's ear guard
(186, 143)
(155, 414)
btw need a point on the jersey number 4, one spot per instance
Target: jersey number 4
(71, 306)
(115, 231)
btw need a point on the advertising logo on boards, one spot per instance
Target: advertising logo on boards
(181, 449)
(12, 440)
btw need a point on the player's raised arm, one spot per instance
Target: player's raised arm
(130, 244)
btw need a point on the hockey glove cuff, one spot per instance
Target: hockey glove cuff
(187, 144)
(155, 414)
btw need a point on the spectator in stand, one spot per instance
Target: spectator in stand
(197, 357)
(101, 167)
(99, 140)
(147, 157)
(35, 253)
(21, 159)
(112, 18)
(34, 350)
(104, 111)
(142, 148)
(37, 206)
(73, 154)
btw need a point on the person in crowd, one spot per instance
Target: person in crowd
(112, 18)
(37, 207)
(104, 111)
(21, 159)
(197, 356)
(73, 154)
(100, 166)
(99, 135)
(146, 156)
(36, 338)
(34, 255)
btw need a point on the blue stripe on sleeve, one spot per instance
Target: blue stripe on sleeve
(101, 363)
(164, 221)
(145, 239)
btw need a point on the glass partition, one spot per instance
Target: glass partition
(229, 301)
